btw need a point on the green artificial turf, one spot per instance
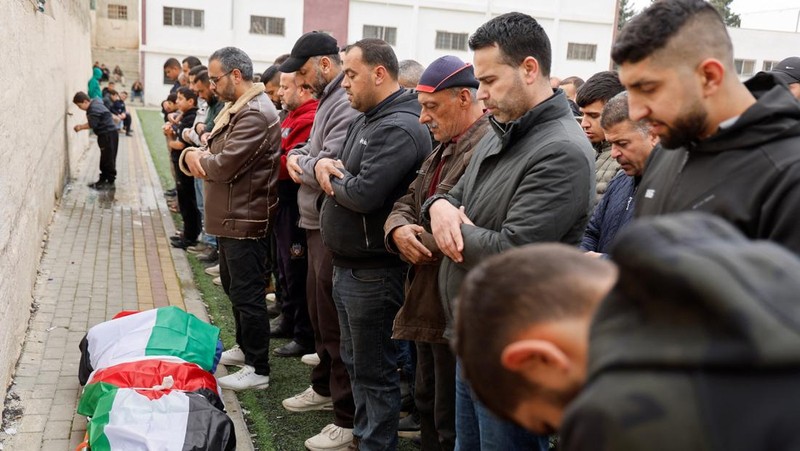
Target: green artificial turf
(272, 427)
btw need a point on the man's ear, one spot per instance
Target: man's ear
(531, 69)
(381, 74)
(712, 74)
(535, 360)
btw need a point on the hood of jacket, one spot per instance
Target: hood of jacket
(402, 101)
(97, 73)
(774, 115)
(694, 293)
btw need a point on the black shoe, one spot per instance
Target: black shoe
(102, 185)
(128, 134)
(210, 257)
(274, 310)
(408, 426)
(171, 192)
(281, 332)
(293, 349)
(181, 243)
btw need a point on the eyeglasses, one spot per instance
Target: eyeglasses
(215, 80)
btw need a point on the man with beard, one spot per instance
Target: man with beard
(687, 340)
(316, 65)
(531, 180)
(240, 168)
(730, 149)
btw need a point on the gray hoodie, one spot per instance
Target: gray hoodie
(333, 117)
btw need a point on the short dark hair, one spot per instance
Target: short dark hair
(600, 86)
(377, 52)
(187, 94)
(172, 97)
(112, 92)
(574, 81)
(507, 294)
(196, 70)
(270, 74)
(172, 62)
(202, 77)
(652, 29)
(616, 112)
(80, 97)
(231, 58)
(281, 59)
(518, 36)
(192, 61)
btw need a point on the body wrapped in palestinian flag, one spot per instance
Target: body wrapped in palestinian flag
(151, 378)
(126, 419)
(166, 331)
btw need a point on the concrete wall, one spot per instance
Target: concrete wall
(116, 41)
(47, 60)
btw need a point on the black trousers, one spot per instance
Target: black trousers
(435, 396)
(108, 143)
(330, 377)
(292, 264)
(187, 201)
(242, 264)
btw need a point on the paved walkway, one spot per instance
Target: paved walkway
(105, 252)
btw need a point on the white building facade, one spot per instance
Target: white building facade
(581, 31)
(759, 50)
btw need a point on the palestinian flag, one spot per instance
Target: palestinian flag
(166, 331)
(151, 378)
(176, 421)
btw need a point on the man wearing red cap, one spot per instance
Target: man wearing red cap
(450, 108)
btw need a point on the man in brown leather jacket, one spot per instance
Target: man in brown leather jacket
(240, 168)
(448, 95)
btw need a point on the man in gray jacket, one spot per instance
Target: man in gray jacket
(316, 63)
(536, 184)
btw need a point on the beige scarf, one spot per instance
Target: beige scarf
(231, 108)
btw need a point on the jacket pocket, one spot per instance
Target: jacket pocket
(366, 232)
(230, 197)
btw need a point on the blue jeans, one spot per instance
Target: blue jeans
(367, 301)
(479, 429)
(211, 240)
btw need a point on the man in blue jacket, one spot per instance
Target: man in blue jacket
(383, 149)
(631, 144)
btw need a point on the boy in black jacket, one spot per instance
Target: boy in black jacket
(99, 119)
(184, 184)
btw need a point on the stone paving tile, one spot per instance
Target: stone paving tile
(106, 252)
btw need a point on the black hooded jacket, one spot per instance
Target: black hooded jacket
(383, 149)
(748, 173)
(696, 348)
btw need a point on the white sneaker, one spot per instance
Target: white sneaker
(308, 400)
(233, 356)
(310, 359)
(332, 438)
(212, 271)
(244, 379)
(217, 281)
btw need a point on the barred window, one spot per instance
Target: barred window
(388, 34)
(582, 52)
(118, 12)
(183, 17)
(769, 65)
(268, 25)
(745, 67)
(446, 40)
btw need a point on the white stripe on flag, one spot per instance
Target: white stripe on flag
(137, 423)
(121, 339)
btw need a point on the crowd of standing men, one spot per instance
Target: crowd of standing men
(391, 212)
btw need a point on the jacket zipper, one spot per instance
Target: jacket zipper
(366, 236)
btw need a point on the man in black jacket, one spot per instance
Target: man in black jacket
(532, 180)
(729, 149)
(383, 148)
